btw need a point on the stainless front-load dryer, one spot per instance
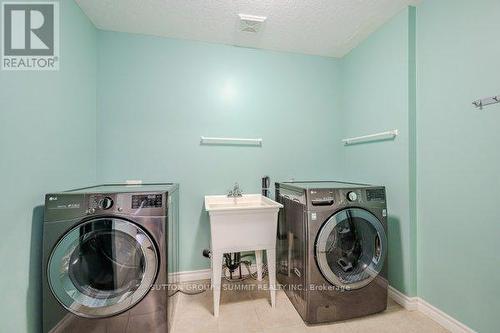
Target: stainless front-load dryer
(332, 249)
(107, 252)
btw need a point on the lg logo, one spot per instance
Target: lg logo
(30, 35)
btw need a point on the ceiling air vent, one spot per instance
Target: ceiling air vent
(251, 23)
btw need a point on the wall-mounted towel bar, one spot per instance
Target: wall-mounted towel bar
(372, 137)
(486, 101)
(231, 141)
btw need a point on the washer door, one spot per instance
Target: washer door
(351, 248)
(102, 267)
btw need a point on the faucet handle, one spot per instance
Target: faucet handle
(236, 191)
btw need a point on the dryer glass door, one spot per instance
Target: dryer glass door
(351, 248)
(102, 267)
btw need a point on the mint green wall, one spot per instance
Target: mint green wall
(378, 95)
(459, 160)
(47, 143)
(157, 96)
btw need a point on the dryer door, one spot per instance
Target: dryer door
(102, 267)
(351, 248)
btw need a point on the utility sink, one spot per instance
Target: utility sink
(220, 203)
(242, 223)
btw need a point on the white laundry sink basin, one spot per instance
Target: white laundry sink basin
(223, 203)
(238, 224)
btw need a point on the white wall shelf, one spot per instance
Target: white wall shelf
(230, 141)
(371, 137)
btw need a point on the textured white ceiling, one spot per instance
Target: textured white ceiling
(320, 27)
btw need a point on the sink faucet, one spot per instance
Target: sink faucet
(235, 192)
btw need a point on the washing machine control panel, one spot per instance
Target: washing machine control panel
(375, 195)
(147, 201)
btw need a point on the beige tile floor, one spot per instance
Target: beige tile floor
(249, 311)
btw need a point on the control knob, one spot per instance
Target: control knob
(352, 196)
(106, 203)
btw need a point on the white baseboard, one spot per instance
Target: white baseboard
(191, 276)
(204, 274)
(417, 303)
(407, 302)
(442, 318)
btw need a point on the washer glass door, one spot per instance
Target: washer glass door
(351, 248)
(102, 267)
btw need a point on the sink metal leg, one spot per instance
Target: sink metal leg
(216, 279)
(258, 262)
(271, 268)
